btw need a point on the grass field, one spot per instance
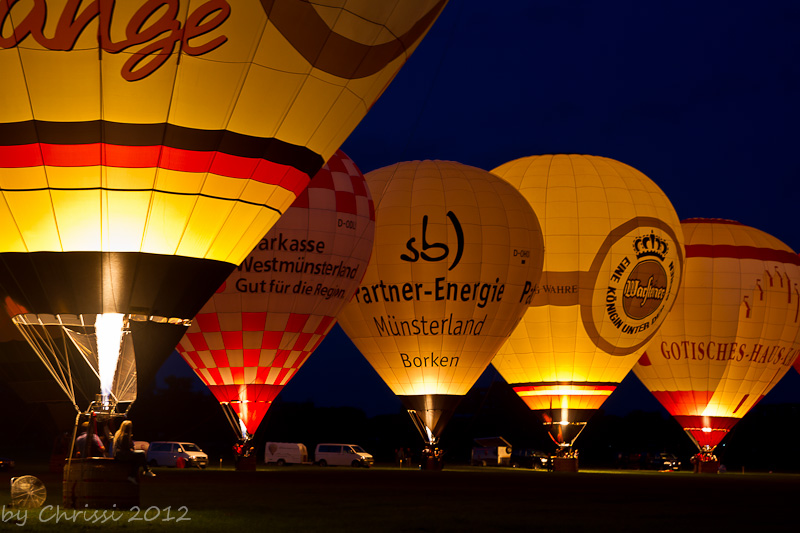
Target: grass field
(459, 498)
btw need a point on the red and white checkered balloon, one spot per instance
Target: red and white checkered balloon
(273, 311)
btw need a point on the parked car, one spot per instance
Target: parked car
(663, 461)
(649, 461)
(167, 453)
(342, 455)
(6, 464)
(529, 458)
(285, 453)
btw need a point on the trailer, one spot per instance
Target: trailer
(491, 451)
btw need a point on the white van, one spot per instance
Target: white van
(342, 455)
(285, 453)
(491, 451)
(162, 453)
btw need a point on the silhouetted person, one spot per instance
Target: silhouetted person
(88, 447)
(124, 451)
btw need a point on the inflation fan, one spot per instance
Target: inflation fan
(27, 492)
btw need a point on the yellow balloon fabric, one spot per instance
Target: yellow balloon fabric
(612, 267)
(457, 252)
(147, 146)
(181, 128)
(733, 333)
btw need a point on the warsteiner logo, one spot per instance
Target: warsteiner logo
(635, 276)
(638, 287)
(644, 290)
(647, 283)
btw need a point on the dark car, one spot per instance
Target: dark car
(663, 461)
(529, 458)
(6, 464)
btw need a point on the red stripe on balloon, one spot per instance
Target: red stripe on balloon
(579, 386)
(684, 402)
(741, 252)
(86, 155)
(741, 402)
(701, 220)
(252, 392)
(688, 403)
(714, 423)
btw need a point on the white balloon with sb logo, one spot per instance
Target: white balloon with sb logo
(457, 254)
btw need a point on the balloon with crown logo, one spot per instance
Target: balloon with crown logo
(612, 267)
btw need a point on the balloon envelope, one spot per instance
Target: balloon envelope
(457, 252)
(146, 147)
(273, 311)
(612, 266)
(733, 332)
(797, 364)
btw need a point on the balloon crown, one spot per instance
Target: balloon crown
(650, 246)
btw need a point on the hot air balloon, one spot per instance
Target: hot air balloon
(457, 253)
(797, 364)
(272, 312)
(733, 332)
(612, 268)
(146, 148)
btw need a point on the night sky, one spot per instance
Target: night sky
(700, 96)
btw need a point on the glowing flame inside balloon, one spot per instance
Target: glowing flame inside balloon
(430, 437)
(108, 329)
(242, 426)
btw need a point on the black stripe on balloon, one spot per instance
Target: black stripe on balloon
(163, 134)
(92, 282)
(108, 189)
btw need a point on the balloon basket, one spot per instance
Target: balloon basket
(99, 483)
(706, 467)
(564, 464)
(246, 463)
(432, 459)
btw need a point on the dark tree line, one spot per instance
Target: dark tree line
(762, 441)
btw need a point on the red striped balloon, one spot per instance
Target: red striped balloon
(275, 309)
(733, 332)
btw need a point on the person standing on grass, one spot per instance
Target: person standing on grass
(124, 451)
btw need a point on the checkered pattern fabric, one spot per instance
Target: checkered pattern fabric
(255, 333)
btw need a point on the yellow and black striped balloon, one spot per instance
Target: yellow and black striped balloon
(146, 146)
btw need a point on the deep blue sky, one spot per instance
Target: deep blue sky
(702, 96)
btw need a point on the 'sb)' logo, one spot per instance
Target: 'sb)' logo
(437, 251)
